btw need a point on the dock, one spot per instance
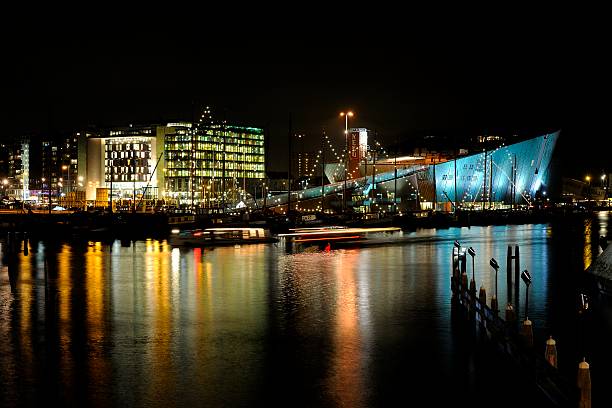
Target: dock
(510, 337)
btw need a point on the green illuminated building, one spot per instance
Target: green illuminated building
(209, 165)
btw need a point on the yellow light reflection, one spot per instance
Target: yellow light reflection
(64, 292)
(346, 374)
(588, 255)
(95, 292)
(27, 303)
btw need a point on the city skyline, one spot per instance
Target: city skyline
(450, 89)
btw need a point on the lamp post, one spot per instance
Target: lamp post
(495, 266)
(526, 277)
(346, 116)
(4, 184)
(473, 282)
(588, 180)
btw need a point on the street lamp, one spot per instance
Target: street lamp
(473, 282)
(495, 266)
(588, 179)
(526, 277)
(346, 116)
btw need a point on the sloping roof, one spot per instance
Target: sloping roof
(602, 266)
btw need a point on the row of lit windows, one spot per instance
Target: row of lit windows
(255, 173)
(127, 170)
(126, 162)
(185, 180)
(131, 132)
(211, 139)
(209, 156)
(208, 146)
(174, 164)
(218, 133)
(127, 177)
(186, 152)
(127, 146)
(127, 155)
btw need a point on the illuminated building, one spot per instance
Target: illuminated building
(213, 163)
(502, 177)
(64, 160)
(19, 169)
(178, 162)
(306, 163)
(123, 161)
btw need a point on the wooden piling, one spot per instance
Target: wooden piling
(527, 332)
(509, 273)
(482, 298)
(510, 315)
(551, 352)
(473, 287)
(517, 272)
(494, 304)
(482, 295)
(584, 384)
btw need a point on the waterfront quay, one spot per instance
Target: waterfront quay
(101, 224)
(145, 323)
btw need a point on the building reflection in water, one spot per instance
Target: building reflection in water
(146, 324)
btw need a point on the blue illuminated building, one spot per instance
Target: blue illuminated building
(508, 175)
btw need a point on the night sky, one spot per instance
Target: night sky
(403, 84)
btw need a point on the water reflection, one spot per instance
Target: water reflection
(143, 323)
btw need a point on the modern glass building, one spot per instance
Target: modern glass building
(178, 162)
(206, 165)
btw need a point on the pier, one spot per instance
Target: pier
(537, 362)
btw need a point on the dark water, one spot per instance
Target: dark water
(151, 325)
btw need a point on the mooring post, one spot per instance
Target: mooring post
(482, 296)
(455, 257)
(509, 273)
(584, 384)
(510, 314)
(463, 264)
(517, 269)
(551, 352)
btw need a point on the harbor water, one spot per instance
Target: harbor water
(143, 323)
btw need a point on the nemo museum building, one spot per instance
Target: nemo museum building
(502, 177)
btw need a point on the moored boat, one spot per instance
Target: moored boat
(220, 236)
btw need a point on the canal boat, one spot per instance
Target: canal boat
(330, 236)
(220, 236)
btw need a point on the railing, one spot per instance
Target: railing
(506, 337)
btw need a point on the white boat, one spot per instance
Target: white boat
(332, 234)
(220, 236)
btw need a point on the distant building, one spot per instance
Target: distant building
(306, 164)
(18, 174)
(64, 162)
